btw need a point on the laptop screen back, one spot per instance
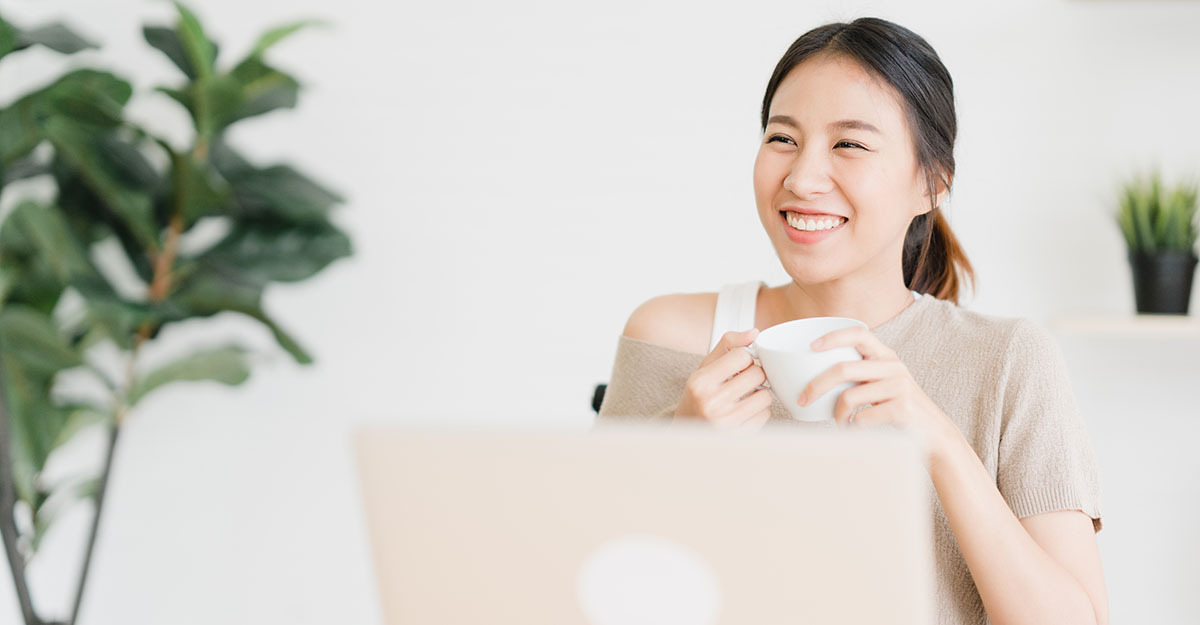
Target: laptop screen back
(632, 525)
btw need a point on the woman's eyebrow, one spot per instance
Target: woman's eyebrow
(841, 124)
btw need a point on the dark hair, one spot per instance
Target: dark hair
(934, 261)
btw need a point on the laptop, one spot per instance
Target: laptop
(641, 525)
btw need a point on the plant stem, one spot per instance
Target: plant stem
(91, 544)
(8, 526)
(161, 286)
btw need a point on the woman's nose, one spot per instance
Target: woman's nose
(809, 174)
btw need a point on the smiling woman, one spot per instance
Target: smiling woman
(891, 137)
(855, 162)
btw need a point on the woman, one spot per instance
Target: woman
(855, 162)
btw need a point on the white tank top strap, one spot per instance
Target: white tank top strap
(735, 309)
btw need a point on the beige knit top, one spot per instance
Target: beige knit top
(1003, 381)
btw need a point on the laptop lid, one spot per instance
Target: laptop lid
(634, 524)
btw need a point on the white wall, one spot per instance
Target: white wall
(521, 175)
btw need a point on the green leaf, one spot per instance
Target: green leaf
(65, 495)
(22, 169)
(121, 319)
(88, 489)
(281, 193)
(89, 96)
(86, 96)
(197, 191)
(55, 36)
(207, 291)
(219, 100)
(53, 240)
(108, 169)
(30, 279)
(33, 280)
(285, 340)
(166, 40)
(211, 101)
(36, 424)
(8, 279)
(1141, 213)
(262, 252)
(279, 33)
(19, 394)
(1125, 221)
(78, 418)
(92, 220)
(34, 341)
(226, 365)
(264, 89)
(199, 49)
(226, 160)
(8, 38)
(19, 133)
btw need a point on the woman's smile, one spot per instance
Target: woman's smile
(810, 228)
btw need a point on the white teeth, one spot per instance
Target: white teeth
(814, 225)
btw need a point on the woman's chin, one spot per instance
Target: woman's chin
(808, 276)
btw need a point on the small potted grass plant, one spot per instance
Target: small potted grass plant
(1160, 229)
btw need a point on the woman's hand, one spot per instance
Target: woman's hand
(722, 389)
(885, 384)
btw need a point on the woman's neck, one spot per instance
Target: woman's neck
(872, 306)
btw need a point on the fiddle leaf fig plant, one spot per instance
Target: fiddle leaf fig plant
(119, 187)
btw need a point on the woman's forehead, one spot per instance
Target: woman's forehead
(823, 90)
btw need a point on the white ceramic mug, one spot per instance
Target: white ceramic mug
(790, 364)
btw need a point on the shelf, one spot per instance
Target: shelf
(1183, 327)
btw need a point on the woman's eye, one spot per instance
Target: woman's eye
(836, 145)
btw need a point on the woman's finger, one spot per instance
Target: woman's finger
(753, 404)
(757, 421)
(858, 337)
(872, 415)
(742, 384)
(859, 396)
(730, 342)
(710, 379)
(847, 371)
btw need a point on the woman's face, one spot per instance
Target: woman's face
(837, 145)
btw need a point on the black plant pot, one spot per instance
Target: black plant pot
(1162, 282)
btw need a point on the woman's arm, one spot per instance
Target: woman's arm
(1042, 569)
(1049, 573)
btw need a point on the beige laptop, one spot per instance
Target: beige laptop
(642, 525)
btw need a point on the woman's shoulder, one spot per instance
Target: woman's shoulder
(677, 321)
(980, 332)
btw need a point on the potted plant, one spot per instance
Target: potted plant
(142, 198)
(1160, 228)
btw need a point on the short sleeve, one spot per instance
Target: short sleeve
(647, 382)
(1046, 461)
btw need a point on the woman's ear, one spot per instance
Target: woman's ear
(943, 190)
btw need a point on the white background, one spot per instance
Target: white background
(520, 176)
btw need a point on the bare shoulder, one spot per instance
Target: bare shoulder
(680, 321)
